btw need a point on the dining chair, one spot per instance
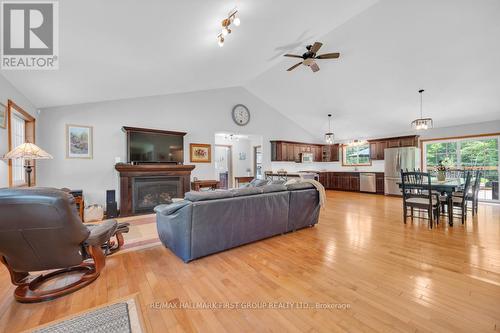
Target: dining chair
(422, 200)
(474, 195)
(459, 200)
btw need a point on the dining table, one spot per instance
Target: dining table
(447, 187)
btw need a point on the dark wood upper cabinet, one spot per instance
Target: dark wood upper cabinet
(290, 151)
(377, 146)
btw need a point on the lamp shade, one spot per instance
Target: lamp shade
(28, 151)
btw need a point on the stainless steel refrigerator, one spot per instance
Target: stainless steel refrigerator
(396, 159)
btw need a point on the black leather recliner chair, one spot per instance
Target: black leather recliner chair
(40, 230)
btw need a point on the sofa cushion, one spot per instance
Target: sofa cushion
(273, 188)
(243, 191)
(258, 182)
(167, 209)
(278, 182)
(299, 186)
(207, 195)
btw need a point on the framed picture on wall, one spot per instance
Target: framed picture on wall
(200, 153)
(3, 115)
(79, 141)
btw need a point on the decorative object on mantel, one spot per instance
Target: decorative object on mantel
(422, 123)
(28, 152)
(441, 171)
(3, 115)
(79, 141)
(329, 137)
(200, 153)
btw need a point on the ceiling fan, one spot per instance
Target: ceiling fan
(310, 56)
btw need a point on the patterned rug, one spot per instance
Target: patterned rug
(121, 317)
(142, 233)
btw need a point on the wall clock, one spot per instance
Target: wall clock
(241, 115)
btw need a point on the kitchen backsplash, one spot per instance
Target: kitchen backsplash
(377, 166)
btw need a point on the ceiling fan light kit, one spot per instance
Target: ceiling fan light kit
(232, 18)
(422, 123)
(309, 57)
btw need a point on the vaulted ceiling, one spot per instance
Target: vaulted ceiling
(389, 49)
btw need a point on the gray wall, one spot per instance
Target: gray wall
(200, 114)
(7, 91)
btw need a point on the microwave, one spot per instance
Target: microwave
(307, 157)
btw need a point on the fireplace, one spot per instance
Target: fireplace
(148, 192)
(144, 186)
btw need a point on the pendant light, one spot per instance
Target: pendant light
(422, 123)
(329, 137)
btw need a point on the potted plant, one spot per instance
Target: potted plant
(441, 171)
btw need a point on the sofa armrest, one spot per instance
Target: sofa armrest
(101, 233)
(171, 208)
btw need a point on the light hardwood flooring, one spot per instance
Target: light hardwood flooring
(393, 277)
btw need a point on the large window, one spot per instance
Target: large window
(18, 130)
(479, 153)
(356, 154)
(22, 129)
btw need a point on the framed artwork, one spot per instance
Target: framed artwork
(3, 116)
(79, 141)
(200, 153)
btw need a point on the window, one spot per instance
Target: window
(357, 154)
(480, 153)
(18, 130)
(21, 127)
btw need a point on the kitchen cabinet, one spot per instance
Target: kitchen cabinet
(377, 146)
(379, 183)
(288, 151)
(330, 153)
(347, 181)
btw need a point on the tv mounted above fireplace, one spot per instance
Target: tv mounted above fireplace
(154, 146)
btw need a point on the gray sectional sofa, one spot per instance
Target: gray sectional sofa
(209, 222)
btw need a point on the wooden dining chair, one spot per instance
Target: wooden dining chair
(421, 200)
(459, 200)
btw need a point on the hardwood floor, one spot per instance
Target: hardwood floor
(393, 277)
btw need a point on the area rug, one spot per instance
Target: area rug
(142, 233)
(120, 317)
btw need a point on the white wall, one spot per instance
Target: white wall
(200, 114)
(7, 91)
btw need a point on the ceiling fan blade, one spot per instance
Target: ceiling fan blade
(328, 56)
(292, 55)
(314, 67)
(315, 47)
(294, 66)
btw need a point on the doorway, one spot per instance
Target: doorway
(224, 166)
(257, 162)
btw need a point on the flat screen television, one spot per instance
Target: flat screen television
(151, 147)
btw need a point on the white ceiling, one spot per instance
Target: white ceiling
(118, 49)
(450, 48)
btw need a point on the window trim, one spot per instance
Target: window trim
(29, 136)
(422, 142)
(354, 165)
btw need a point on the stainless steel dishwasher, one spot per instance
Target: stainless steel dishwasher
(367, 182)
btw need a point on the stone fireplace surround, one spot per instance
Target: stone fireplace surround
(167, 174)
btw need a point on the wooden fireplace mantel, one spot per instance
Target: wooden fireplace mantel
(129, 171)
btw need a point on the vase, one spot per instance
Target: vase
(441, 176)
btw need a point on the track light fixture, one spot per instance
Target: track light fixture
(232, 18)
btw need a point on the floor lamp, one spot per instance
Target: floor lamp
(28, 152)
